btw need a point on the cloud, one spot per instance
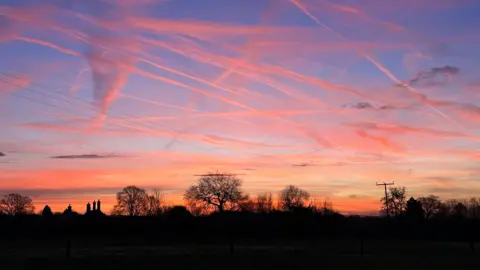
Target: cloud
(333, 164)
(78, 192)
(358, 196)
(360, 105)
(381, 140)
(403, 129)
(110, 71)
(88, 156)
(7, 29)
(56, 193)
(13, 82)
(430, 74)
(303, 165)
(2, 154)
(369, 106)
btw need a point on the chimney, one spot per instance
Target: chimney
(88, 208)
(98, 206)
(94, 206)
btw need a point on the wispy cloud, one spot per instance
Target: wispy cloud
(426, 76)
(396, 129)
(292, 103)
(89, 156)
(109, 73)
(387, 142)
(359, 105)
(323, 164)
(369, 106)
(303, 165)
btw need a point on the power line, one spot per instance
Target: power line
(386, 194)
(218, 174)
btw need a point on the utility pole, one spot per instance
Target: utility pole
(386, 195)
(218, 174)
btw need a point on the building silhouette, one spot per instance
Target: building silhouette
(96, 211)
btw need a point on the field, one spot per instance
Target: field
(321, 255)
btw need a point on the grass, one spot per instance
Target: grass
(322, 255)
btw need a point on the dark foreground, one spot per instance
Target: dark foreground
(322, 255)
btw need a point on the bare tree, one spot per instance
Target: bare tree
(431, 205)
(16, 204)
(292, 197)
(115, 211)
(246, 204)
(264, 203)
(397, 200)
(324, 206)
(460, 209)
(155, 203)
(454, 207)
(196, 208)
(327, 207)
(443, 210)
(215, 191)
(474, 207)
(131, 201)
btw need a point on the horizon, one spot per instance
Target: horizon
(331, 96)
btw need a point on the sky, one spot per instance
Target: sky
(329, 95)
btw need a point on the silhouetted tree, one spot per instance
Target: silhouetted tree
(414, 210)
(246, 204)
(324, 206)
(196, 208)
(131, 201)
(154, 203)
(47, 212)
(178, 212)
(453, 208)
(444, 210)
(264, 203)
(218, 191)
(292, 197)
(396, 201)
(474, 208)
(16, 204)
(460, 210)
(430, 205)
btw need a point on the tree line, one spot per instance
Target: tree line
(217, 193)
(427, 207)
(223, 193)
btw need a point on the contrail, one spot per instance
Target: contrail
(146, 74)
(248, 46)
(75, 86)
(376, 63)
(48, 44)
